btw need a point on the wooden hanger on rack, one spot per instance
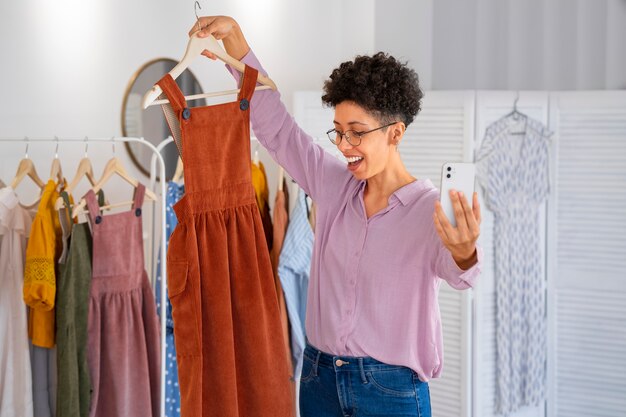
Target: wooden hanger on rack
(281, 177)
(195, 47)
(85, 169)
(26, 168)
(179, 173)
(56, 173)
(114, 166)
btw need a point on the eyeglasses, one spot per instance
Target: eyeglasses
(352, 136)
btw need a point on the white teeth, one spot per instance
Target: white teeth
(351, 159)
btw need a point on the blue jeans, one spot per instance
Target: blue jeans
(344, 386)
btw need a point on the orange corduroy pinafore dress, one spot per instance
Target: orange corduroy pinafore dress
(227, 327)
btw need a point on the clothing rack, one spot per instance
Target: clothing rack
(156, 156)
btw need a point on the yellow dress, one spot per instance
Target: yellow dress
(42, 254)
(262, 192)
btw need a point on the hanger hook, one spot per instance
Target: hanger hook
(86, 145)
(516, 100)
(197, 6)
(27, 143)
(56, 151)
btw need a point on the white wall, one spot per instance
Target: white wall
(508, 44)
(66, 64)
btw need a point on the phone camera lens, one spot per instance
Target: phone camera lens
(449, 168)
(448, 175)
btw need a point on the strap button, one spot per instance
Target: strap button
(137, 212)
(186, 113)
(98, 219)
(244, 104)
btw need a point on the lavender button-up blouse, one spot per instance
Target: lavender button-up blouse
(374, 282)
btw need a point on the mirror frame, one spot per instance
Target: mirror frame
(129, 87)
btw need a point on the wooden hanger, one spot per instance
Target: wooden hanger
(195, 47)
(26, 168)
(281, 177)
(56, 173)
(178, 174)
(85, 169)
(114, 166)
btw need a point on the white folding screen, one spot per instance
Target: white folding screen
(491, 106)
(587, 255)
(441, 132)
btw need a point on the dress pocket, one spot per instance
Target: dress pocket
(185, 309)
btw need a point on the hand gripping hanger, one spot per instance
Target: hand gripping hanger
(195, 47)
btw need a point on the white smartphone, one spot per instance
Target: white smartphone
(456, 176)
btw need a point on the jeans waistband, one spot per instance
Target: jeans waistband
(345, 363)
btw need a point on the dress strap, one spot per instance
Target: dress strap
(95, 217)
(248, 84)
(67, 205)
(140, 192)
(66, 224)
(173, 93)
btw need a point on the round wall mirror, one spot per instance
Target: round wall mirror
(150, 123)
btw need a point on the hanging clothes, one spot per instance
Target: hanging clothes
(281, 219)
(16, 391)
(123, 331)
(42, 254)
(513, 170)
(259, 182)
(74, 383)
(40, 272)
(293, 270)
(227, 325)
(172, 391)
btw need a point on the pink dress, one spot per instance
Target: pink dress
(123, 333)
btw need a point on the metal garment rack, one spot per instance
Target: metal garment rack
(156, 156)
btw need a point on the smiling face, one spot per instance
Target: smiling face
(374, 154)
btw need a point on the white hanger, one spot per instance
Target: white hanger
(114, 166)
(255, 157)
(195, 47)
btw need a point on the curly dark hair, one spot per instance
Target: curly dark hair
(385, 87)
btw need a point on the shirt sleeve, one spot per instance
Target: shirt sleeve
(447, 269)
(308, 164)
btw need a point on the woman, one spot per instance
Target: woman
(382, 241)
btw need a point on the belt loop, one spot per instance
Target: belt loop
(363, 378)
(317, 361)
